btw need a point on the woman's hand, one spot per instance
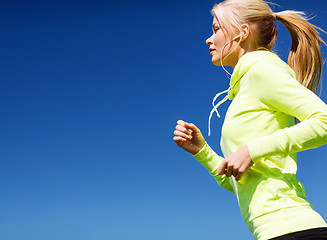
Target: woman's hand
(236, 164)
(188, 137)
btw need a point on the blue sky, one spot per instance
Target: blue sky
(90, 94)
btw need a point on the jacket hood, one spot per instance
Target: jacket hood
(243, 66)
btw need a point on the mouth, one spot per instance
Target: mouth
(211, 50)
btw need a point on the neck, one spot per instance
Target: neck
(238, 55)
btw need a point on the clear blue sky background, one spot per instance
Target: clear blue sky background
(90, 94)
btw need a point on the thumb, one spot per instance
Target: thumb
(192, 127)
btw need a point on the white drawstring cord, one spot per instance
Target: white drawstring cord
(215, 106)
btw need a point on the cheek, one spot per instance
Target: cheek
(217, 40)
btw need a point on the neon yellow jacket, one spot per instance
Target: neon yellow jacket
(265, 99)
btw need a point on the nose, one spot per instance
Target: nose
(209, 41)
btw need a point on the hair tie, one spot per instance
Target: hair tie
(274, 16)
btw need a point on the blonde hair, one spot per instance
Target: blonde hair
(305, 55)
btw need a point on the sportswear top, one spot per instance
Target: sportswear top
(265, 99)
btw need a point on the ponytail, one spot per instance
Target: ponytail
(305, 55)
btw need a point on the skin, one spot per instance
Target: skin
(186, 135)
(233, 50)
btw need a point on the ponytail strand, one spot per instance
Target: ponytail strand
(305, 55)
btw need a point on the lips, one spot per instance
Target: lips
(211, 50)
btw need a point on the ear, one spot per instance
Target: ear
(245, 32)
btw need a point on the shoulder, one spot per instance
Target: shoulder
(270, 63)
(270, 71)
(270, 78)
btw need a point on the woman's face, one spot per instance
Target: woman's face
(218, 43)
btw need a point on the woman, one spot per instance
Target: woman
(259, 135)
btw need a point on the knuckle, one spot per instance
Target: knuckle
(230, 165)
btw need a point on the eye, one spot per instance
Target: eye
(216, 29)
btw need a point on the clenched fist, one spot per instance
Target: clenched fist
(188, 137)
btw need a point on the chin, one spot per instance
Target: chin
(216, 62)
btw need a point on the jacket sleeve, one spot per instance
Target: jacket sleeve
(211, 161)
(277, 88)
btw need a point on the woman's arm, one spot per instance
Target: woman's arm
(189, 137)
(278, 90)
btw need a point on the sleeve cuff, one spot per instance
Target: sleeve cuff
(203, 153)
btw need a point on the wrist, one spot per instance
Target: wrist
(199, 150)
